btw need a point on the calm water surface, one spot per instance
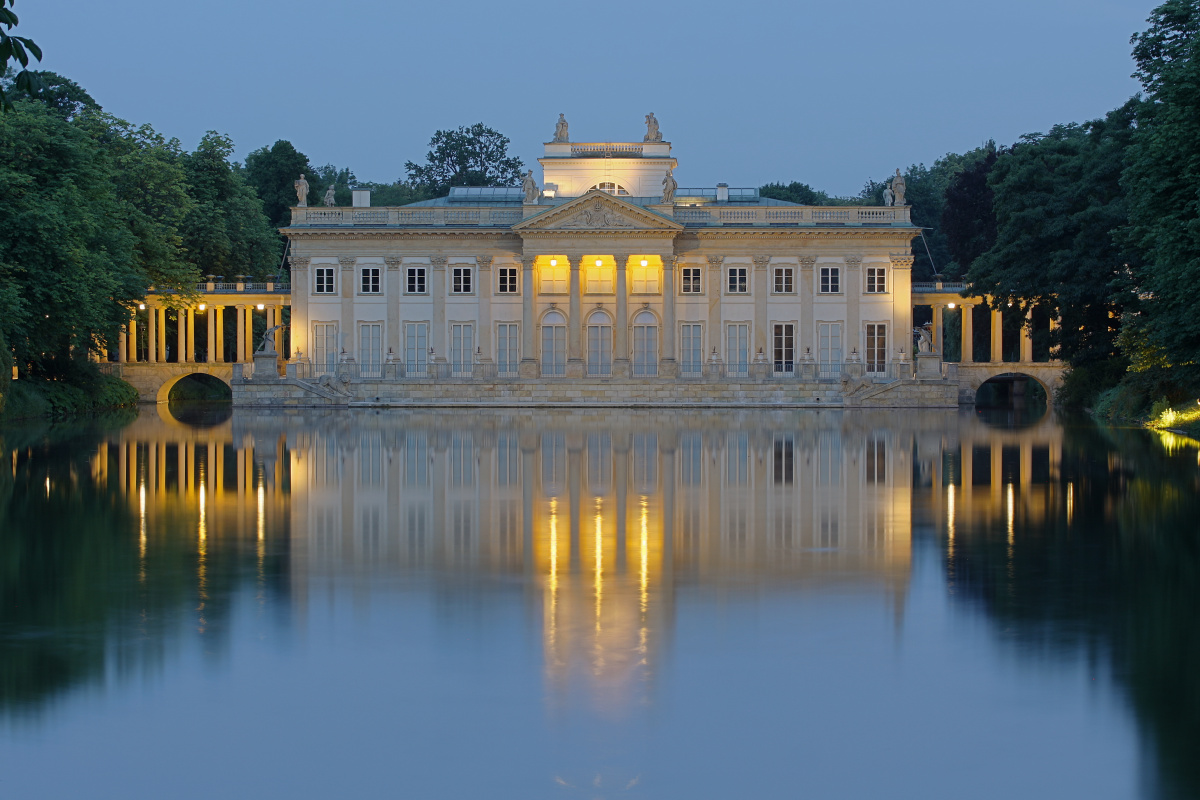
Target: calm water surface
(597, 605)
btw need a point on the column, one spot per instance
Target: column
(807, 315)
(575, 322)
(1027, 337)
(210, 354)
(151, 334)
(997, 336)
(528, 368)
(132, 338)
(760, 286)
(968, 334)
(713, 287)
(483, 294)
(162, 334)
(301, 289)
(937, 328)
(852, 289)
(901, 288)
(669, 367)
(238, 324)
(122, 345)
(247, 354)
(393, 291)
(437, 290)
(621, 330)
(190, 353)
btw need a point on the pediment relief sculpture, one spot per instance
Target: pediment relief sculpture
(596, 214)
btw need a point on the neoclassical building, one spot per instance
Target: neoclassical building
(607, 272)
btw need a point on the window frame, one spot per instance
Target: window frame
(377, 279)
(331, 274)
(829, 279)
(788, 274)
(685, 278)
(462, 275)
(876, 275)
(739, 276)
(501, 274)
(416, 272)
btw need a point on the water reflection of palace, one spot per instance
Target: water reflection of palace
(602, 518)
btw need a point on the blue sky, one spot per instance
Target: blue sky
(829, 93)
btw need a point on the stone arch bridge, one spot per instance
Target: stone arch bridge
(154, 381)
(971, 377)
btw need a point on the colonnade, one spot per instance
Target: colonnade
(996, 342)
(187, 321)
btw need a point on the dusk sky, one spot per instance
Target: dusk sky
(826, 93)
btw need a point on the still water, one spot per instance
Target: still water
(597, 605)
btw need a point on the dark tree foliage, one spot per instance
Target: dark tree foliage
(1162, 177)
(272, 173)
(18, 49)
(796, 192)
(968, 220)
(1057, 201)
(467, 156)
(61, 94)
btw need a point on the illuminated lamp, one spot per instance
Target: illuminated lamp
(142, 306)
(260, 306)
(950, 306)
(203, 306)
(599, 263)
(645, 263)
(554, 262)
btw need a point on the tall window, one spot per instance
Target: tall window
(612, 188)
(691, 280)
(554, 344)
(462, 350)
(508, 280)
(507, 339)
(737, 351)
(876, 280)
(370, 280)
(645, 344)
(831, 280)
(416, 347)
(325, 347)
(416, 280)
(784, 346)
(691, 349)
(645, 278)
(461, 280)
(370, 350)
(876, 460)
(783, 280)
(829, 348)
(737, 280)
(599, 278)
(556, 276)
(876, 355)
(324, 283)
(599, 344)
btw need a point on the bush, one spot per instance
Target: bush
(30, 399)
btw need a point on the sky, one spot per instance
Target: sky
(828, 93)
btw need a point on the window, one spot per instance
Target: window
(555, 277)
(784, 346)
(370, 350)
(737, 280)
(612, 188)
(508, 280)
(737, 352)
(783, 280)
(370, 280)
(507, 358)
(876, 460)
(416, 347)
(554, 344)
(645, 344)
(461, 280)
(416, 280)
(876, 355)
(645, 278)
(692, 349)
(325, 347)
(324, 280)
(876, 280)
(599, 278)
(691, 280)
(599, 344)
(829, 348)
(462, 350)
(831, 280)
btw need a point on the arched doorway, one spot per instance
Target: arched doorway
(645, 344)
(599, 344)
(554, 344)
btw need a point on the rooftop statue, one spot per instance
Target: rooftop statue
(560, 130)
(301, 191)
(888, 197)
(530, 187)
(898, 188)
(669, 187)
(653, 134)
(329, 200)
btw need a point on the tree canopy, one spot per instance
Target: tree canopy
(18, 49)
(272, 173)
(467, 156)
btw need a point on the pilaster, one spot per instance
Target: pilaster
(484, 289)
(621, 331)
(394, 290)
(852, 288)
(901, 288)
(807, 315)
(575, 366)
(437, 291)
(713, 286)
(760, 285)
(668, 364)
(528, 367)
(301, 289)
(346, 283)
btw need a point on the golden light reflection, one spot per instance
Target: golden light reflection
(1070, 502)
(599, 580)
(644, 572)
(202, 559)
(142, 532)
(950, 518)
(552, 626)
(1010, 509)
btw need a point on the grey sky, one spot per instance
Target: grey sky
(829, 93)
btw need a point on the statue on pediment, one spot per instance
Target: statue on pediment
(653, 134)
(669, 187)
(560, 130)
(898, 188)
(530, 187)
(301, 191)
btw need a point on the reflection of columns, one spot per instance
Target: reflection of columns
(1026, 468)
(162, 334)
(937, 328)
(574, 331)
(528, 368)
(437, 289)
(151, 334)
(483, 296)
(191, 336)
(997, 336)
(997, 454)
(966, 470)
(621, 480)
(574, 468)
(239, 316)
(123, 467)
(670, 368)
(1027, 337)
(527, 477)
(968, 334)
(621, 333)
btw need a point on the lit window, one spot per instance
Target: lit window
(599, 277)
(645, 278)
(555, 275)
(612, 188)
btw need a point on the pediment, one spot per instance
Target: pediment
(597, 211)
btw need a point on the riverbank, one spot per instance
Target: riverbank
(33, 399)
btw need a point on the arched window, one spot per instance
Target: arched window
(612, 188)
(599, 343)
(645, 344)
(554, 344)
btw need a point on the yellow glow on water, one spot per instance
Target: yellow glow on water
(644, 571)
(552, 631)
(142, 531)
(1070, 502)
(599, 535)
(950, 518)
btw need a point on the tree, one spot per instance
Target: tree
(61, 94)
(1162, 175)
(796, 192)
(968, 220)
(19, 49)
(272, 173)
(467, 156)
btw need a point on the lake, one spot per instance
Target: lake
(598, 604)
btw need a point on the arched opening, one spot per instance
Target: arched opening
(1012, 399)
(198, 399)
(645, 344)
(612, 188)
(554, 344)
(599, 344)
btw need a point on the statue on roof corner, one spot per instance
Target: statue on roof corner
(888, 197)
(530, 187)
(329, 196)
(669, 187)
(898, 188)
(653, 134)
(301, 191)
(560, 130)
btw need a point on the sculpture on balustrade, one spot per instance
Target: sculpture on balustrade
(898, 188)
(268, 340)
(653, 134)
(301, 191)
(329, 201)
(529, 185)
(888, 197)
(924, 338)
(669, 187)
(560, 130)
